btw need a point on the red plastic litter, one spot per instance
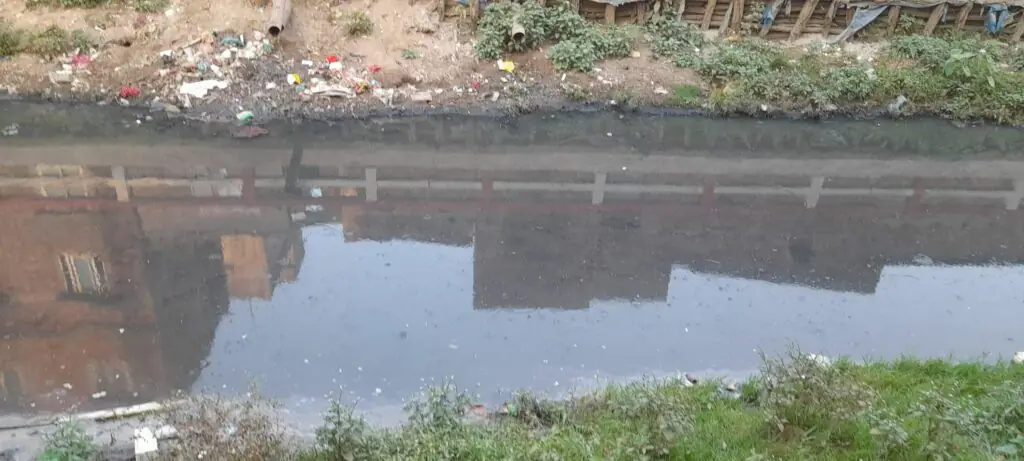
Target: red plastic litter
(476, 85)
(332, 58)
(375, 68)
(81, 60)
(248, 132)
(128, 92)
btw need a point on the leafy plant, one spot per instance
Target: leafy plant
(69, 443)
(675, 39)
(11, 39)
(745, 59)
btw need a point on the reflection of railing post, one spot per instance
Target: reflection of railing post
(597, 193)
(1013, 200)
(120, 184)
(249, 184)
(814, 193)
(371, 184)
(916, 199)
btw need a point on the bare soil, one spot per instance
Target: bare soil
(412, 48)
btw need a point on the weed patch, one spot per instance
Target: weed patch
(577, 44)
(798, 408)
(357, 24)
(212, 427)
(69, 442)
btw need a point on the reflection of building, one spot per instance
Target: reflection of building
(110, 302)
(159, 249)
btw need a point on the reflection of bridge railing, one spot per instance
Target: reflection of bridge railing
(615, 177)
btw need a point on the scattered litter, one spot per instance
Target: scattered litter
(294, 79)
(374, 68)
(99, 395)
(821, 360)
(233, 41)
(507, 66)
(61, 76)
(248, 131)
(422, 96)
(660, 90)
(298, 216)
(386, 96)
(307, 63)
(245, 116)
(316, 209)
(80, 61)
(495, 95)
(332, 91)
(271, 85)
(145, 441)
(377, 391)
(332, 59)
(1018, 358)
(201, 88)
(10, 130)
(923, 260)
(129, 92)
(316, 192)
(68, 386)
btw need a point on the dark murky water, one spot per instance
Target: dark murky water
(132, 272)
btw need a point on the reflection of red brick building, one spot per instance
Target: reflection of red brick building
(74, 310)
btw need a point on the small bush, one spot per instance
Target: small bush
(848, 84)
(801, 393)
(745, 59)
(69, 443)
(594, 45)
(357, 24)
(67, 3)
(213, 427)
(11, 40)
(675, 39)
(686, 95)
(343, 435)
(495, 28)
(578, 45)
(52, 42)
(149, 6)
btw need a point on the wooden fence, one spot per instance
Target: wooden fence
(794, 18)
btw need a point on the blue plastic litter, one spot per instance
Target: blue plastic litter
(996, 17)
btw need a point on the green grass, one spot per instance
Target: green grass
(142, 6)
(797, 409)
(50, 42)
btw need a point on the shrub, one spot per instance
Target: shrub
(595, 44)
(11, 39)
(802, 393)
(358, 24)
(675, 39)
(51, 42)
(745, 59)
(69, 443)
(848, 84)
(495, 28)
(578, 44)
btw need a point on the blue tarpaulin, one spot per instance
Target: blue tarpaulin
(996, 17)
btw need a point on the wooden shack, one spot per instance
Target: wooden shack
(790, 19)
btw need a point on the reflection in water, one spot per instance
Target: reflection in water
(123, 283)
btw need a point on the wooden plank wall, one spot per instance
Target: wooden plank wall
(828, 17)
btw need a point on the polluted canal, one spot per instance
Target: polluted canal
(365, 269)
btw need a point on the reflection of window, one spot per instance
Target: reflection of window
(111, 376)
(83, 273)
(10, 387)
